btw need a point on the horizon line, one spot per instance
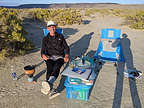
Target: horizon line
(75, 3)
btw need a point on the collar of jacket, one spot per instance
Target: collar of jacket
(52, 37)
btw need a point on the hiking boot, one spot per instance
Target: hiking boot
(45, 88)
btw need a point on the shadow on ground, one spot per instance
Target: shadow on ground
(125, 43)
(80, 47)
(68, 32)
(86, 21)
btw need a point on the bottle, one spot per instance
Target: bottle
(83, 60)
(13, 73)
(93, 66)
(30, 78)
(76, 61)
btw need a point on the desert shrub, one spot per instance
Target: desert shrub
(116, 12)
(135, 21)
(2, 54)
(89, 12)
(13, 41)
(60, 16)
(104, 11)
(68, 16)
(122, 12)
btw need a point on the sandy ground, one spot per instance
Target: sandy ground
(111, 90)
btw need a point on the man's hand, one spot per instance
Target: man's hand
(66, 58)
(45, 57)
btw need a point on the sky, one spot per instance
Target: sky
(19, 2)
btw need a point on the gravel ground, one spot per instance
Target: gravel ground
(110, 90)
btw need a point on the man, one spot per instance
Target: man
(55, 52)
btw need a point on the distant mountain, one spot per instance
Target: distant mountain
(79, 5)
(62, 5)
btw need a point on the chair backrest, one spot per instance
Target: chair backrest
(58, 30)
(110, 39)
(109, 47)
(110, 33)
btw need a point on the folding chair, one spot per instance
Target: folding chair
(58, 30)
(109, 49)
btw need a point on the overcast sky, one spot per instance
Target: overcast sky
(18, 2)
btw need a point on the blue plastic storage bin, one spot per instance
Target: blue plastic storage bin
(80, 91)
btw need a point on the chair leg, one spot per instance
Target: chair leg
(115, 64)
(63, 67)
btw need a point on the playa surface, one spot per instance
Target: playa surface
(110, 90)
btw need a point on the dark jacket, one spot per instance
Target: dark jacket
(54, 45)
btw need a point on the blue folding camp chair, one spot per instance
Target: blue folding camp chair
(58, 30)
(109, 49)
